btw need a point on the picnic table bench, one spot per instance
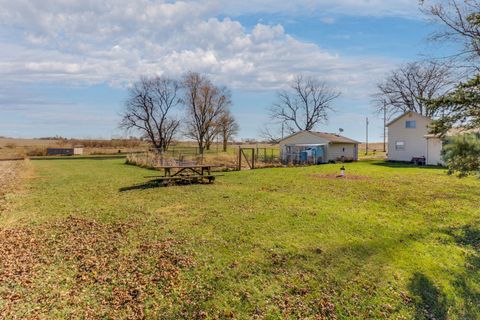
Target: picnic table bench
(185, 173)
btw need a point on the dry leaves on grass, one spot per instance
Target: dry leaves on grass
(10, 179)
(95, 276)
(299, 300)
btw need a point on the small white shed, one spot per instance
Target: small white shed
(310, 147)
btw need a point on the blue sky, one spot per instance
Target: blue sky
(66, 65)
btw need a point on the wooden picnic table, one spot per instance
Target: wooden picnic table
(198, 169)
(194, 172)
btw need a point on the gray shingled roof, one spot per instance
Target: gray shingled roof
(334, 138)
(330, 137)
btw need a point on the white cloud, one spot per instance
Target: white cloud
(115, 41)
(327, 20)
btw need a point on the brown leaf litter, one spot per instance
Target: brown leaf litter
(11, 174)
(95, 275)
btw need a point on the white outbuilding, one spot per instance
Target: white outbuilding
(407, 138)
(310, 147)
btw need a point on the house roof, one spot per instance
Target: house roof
(404, 114)
(330, 137)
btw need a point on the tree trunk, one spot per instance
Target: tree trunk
(201, 147)
(225, 143)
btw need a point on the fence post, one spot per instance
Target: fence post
(239, 158)
(253, 158)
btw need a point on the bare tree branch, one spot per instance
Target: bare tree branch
(148, 110)
(228, 127)
(205, 105)
(305, 105)
(409, 87)
(460, 21)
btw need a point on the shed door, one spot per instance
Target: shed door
(320, 152)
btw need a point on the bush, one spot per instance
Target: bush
(149, 160)
(462, 154)
(114, 143)
(34, 152)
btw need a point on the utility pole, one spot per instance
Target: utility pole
(384, 126)
(366, 134)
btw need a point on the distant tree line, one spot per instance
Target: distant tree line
(161, 108)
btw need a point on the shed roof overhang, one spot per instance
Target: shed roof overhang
(306, 144)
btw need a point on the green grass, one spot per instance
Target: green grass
(398, 242)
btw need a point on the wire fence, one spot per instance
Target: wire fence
(229, 159)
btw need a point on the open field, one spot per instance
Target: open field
(89, 239)
(10, 148)
(375, 151)
(14, 148)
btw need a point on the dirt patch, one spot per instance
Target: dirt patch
(336, 177)
(11, 175)
(86, 269)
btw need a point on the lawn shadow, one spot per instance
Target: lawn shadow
(403, 165)
(431, 303)
(159, 184)
(143, 186)
(468, 237)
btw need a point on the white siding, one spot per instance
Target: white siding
(434, 149)
(77, 151)
(335, 151)
(414, 138)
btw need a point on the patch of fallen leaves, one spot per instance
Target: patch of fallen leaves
(299, 300)
(10, 178)
(103, 279)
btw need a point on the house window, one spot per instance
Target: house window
(411, 124)
(399, 145)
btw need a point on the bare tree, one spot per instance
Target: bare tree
(461, 21)
(205, 104)
(149, 109)
(305, 105)
(409, 87)
(228, 127)
(270, 136)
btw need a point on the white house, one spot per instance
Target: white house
(317, 147)
(408, 138)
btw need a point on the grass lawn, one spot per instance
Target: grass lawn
(85, 239)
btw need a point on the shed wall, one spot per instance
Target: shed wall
(336, 151)
(434, 151)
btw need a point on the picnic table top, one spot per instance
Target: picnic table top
(187, 166)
